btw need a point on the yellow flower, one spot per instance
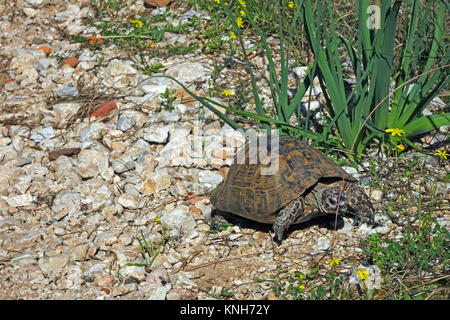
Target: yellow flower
(335, 261)
(152, 45)
(291, 4)
(137, 23)
(227, 92)
(395, 131)
(239, 22)
(242, 13)
(217, 1)
(363, 274)
(232, 36)
(301, 287)
(158, 220)
(442, 154)
(400, 147)
(243, 3)
(300, 276)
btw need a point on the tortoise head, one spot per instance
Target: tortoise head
(333, 199)
(340, 196)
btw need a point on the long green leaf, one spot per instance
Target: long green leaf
(426, 123)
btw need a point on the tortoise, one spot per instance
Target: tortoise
(306, 185)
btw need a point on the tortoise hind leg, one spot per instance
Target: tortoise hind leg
(219, 220)
(287, 216)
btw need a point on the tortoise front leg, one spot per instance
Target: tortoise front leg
(287, 216)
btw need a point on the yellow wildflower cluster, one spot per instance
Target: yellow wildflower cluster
(395, 132)
(243, 3)
(137, 23)
(442, 154)
(335, 261)
(227, 92)
(363, 274)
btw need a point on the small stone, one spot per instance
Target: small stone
(351, 171)
(45, 49)
(300, 72)
(130, 201)
(44, 63)
(104, 110)
(134, 273)
(157, 182)
(21, 200)
(64, 111)
(188, 71)
(158, 276)
(117, 68)
(54, 265)
(179, 223)
(34, 3)
(171, 116)
(156, 134)
(91, 163)
(122, 290)
(209, 178)
(125, 123)
(42, 135)
(159, 292)
(258, 235)
(29, 12)
(66, 200)
(376, 195)
(80, 252)
(53, 155)
(312, 105)
(105, 281)
(123, 164)
(323, 243)
(23, 260)
(72, 61)
(67, 91)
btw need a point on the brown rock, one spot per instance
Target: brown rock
(105, 281)
(45, 49)
(53, 155)
(104, 110)
(73, 61)
(94, 40)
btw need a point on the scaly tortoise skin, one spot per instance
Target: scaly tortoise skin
(306, 185)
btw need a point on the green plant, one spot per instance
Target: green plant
(300, 286)
(149, 252)
(167, 99)
(373, 66)
(417, 261)
(284, 109)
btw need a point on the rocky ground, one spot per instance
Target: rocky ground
(90, 163)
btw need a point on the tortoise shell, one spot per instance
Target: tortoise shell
(249, 193)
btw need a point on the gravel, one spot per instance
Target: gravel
(77, 193)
